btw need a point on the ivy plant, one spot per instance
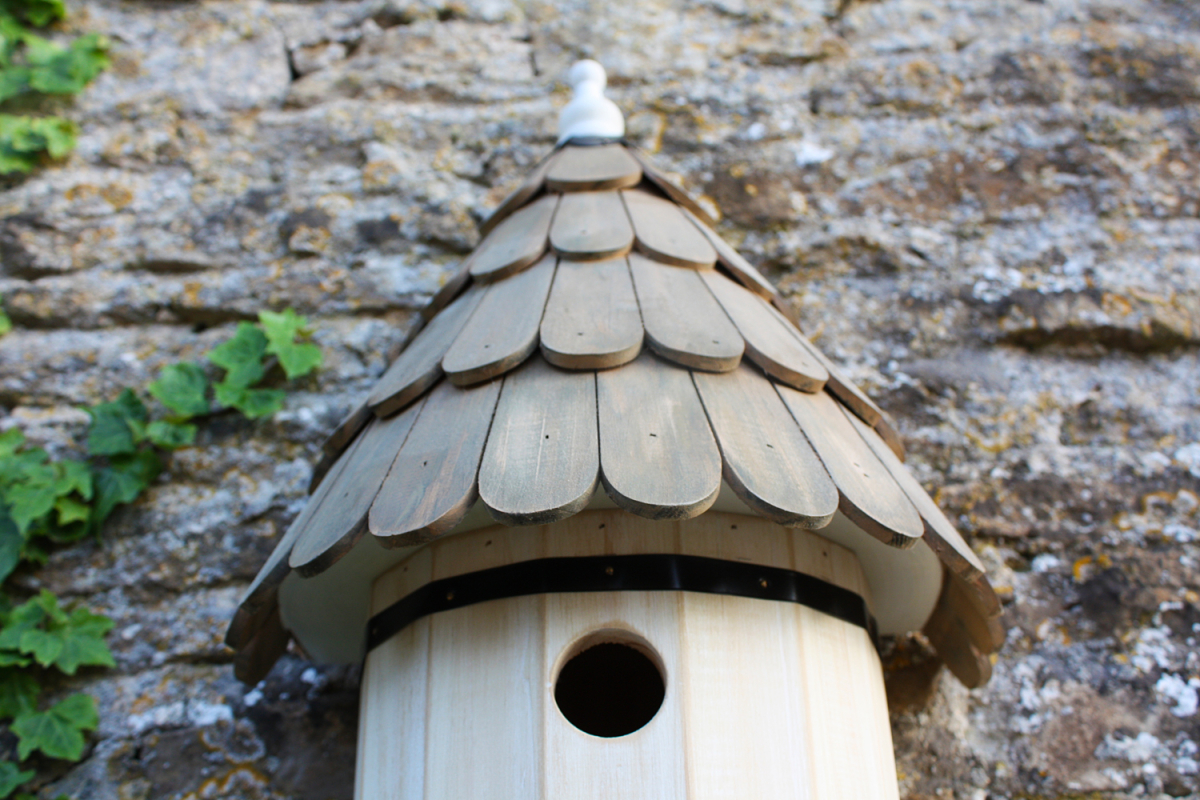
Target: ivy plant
(47, 501)
(32, 67)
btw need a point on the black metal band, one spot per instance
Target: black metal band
(631, 573)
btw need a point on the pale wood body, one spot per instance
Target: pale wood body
(763, 698)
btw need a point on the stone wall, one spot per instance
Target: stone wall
(988, 210)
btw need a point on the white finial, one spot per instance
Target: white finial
(589, 113)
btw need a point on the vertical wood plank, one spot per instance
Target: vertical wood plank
(483, 742)
(842, 680)
(482, 549)
(392, 735)
(647, 764)
(744, 713)
(741, 743)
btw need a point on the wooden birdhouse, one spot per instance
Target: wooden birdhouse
(611, 526)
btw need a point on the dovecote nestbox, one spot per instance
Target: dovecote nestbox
(705, 625)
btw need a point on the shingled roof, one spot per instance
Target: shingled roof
(603, 334)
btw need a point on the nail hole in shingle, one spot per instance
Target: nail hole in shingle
(655, 435)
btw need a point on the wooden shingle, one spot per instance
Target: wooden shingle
(870, 496)
(420, 365)
(665, 234)
(658, 457)
(515, 243)
(592, 319)
(769, 343)
(503, 330)
(587, 169)
(432, 483)
(341, 518)
(542, 461)
(591, 226)
(767, 459)
(683, 322)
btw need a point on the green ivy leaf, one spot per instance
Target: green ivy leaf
(11, 777)
(69, 511)
(83, 642)
(285, 333)
(32, 496)
(122, 481)
(118, 426)
(182, 388)
(254, 403)
(241, 357)
(14, 660)
(14, 81)
(11, 441)
(44, 646)
(5, 327)
(57, 732)
(41, 628)
(38, 13)
(59, 70)
(11, 545)
(73, 476)
(19, 621)
(19, 692)
(23, 140)
(19, 466)
(171, 435)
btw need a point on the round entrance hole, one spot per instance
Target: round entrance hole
(610, 688)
